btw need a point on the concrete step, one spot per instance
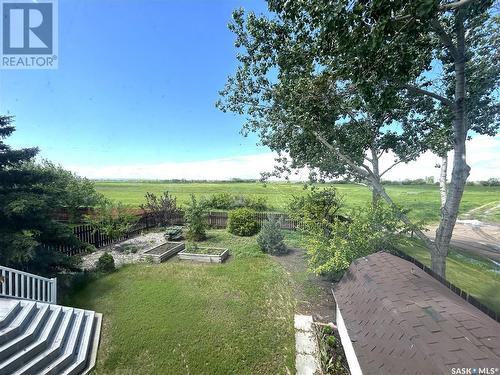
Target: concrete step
(41, 339)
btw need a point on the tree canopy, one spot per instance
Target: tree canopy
(30, 195)
(334, 85)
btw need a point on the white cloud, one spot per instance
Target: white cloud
(483, 155)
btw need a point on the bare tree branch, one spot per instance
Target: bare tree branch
(433, 95)
(403, 160)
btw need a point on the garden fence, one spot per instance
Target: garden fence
(216, 219)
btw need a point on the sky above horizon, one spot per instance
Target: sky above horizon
(134, 95)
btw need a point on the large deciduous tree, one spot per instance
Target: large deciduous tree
(333, 85)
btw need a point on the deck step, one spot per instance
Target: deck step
(8, 312)
(18, 323)
(38, 338)
(47, 334)
(28, 336)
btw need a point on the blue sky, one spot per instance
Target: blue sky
(134, 96)
(136, 83)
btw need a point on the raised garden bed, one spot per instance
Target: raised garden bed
(164, 251)
(205, 254)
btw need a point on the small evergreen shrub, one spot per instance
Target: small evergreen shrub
(105, 263)
(270, 238)
(243, 222)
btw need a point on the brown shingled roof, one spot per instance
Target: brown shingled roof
(403, 321)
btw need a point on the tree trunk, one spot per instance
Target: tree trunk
(376, 175)
(443, 183)
(461, 170)
(438, 264)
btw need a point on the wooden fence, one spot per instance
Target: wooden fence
(216, 219)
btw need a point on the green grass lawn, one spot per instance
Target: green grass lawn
(475, 275)
(423, 200)
(188, 318)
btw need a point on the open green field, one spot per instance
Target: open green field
(192, 318)
(475, 275)
(423, 200)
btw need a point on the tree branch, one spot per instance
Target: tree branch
(455, 5)
(377, 186)
(403, 160)
(444, 37)
(418, 90)
(364, 172)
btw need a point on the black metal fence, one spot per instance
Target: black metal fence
(463, 294)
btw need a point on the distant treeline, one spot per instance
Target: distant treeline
(430, 181)
(419, 181)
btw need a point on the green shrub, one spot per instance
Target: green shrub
(106, 263)
(162, 208)
(250, 201)
(270, 238)
(112, 219)
(319, 208)
(220, 201)
(227, 201)
(372, 229)
(243, 222)
(195, 214)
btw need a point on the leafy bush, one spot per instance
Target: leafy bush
(163, 208)
(220, 201)
(372, 229)
(112, 219)
(270, 238)
(227, 201)
(319, 208)
(249, 201)
(195, 214)
(243, 222)
(105, 263)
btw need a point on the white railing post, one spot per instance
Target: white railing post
(53, 291)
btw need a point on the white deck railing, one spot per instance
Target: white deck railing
(23, 285)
